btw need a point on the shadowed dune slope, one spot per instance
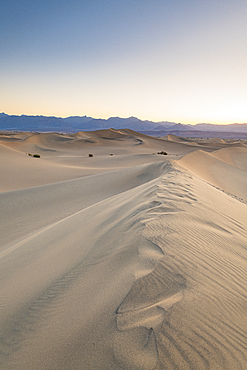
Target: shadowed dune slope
(26, 210)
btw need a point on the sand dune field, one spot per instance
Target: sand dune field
(125, 260)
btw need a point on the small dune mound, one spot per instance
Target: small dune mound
(110, 134)
(175, 138)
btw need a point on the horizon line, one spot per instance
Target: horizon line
(144, 120)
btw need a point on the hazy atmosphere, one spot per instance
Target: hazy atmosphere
(181, 61)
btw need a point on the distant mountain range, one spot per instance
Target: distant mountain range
(75, 124)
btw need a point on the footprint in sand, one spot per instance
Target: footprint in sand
(142, 311)
(136, 349)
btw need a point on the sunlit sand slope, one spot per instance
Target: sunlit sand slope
(202, 233)
(225, 168)
(142, 268)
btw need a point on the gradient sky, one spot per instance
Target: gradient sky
(178, 60)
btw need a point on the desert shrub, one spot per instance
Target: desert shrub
(111, 154)
(90, 155)
(162, 152)
(34, 155)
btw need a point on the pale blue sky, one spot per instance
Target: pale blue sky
(177, 60)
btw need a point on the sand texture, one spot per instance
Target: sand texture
(127, 260)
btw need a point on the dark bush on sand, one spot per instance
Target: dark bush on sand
(34, 155)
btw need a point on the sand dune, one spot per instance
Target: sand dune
(139, 264)
(65, 157)
(225, 168)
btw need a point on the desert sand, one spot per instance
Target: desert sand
(125, 260)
